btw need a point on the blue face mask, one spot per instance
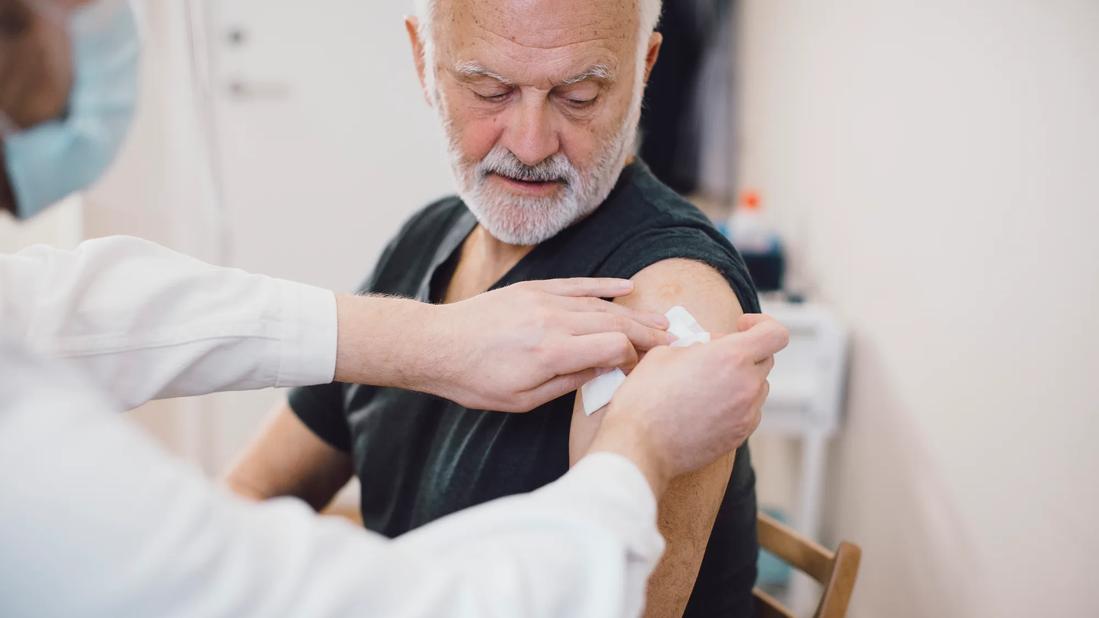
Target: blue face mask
(50, 161)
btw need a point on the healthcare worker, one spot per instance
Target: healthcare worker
(97, 521)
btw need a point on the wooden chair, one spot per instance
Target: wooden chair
(836, 571)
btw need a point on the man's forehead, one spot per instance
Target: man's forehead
(534, 25)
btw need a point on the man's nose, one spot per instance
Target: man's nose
(530, 134)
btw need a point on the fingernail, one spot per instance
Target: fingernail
(624, 285)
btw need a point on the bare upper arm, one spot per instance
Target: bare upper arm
(688, 509)
(287, 459)
(695, 286)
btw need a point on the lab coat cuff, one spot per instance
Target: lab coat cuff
(628, 504)
(308, 354)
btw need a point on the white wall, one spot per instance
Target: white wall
(60, 226)
(936, 166)
(316, 181)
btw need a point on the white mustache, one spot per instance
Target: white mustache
(501, 161)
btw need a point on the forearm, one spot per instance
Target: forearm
(287, 459)
(384, 341)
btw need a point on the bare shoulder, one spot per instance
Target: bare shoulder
(698, 287)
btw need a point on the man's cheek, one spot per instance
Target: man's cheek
(476, 137)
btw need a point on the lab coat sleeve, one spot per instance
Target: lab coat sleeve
(582, 546)
(152, 323)
(96, 521)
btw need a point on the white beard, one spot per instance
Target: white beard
(523, 220)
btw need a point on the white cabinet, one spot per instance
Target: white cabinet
(805, 404)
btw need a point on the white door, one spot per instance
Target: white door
(325, 142)
(324, 146)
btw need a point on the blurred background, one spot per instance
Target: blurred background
(917, 182)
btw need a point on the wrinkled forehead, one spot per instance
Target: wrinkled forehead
(542, 37)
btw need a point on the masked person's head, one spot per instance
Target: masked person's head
(68, 83)
(540, 101)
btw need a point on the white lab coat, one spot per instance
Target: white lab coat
(95, 520)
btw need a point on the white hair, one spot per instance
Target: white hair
(650, 13)
(426, 12)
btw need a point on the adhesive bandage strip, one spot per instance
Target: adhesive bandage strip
(684, 328)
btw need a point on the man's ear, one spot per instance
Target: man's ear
(655, 41)
(412, 27)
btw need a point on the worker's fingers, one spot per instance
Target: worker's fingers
(641, 336)
(585, 286)
(765, 366)
(598, 305)
(561, 386)
(764, 392)
(758, 403)
(761, 398)
(596, 351)
(766, 338)
(749, 320)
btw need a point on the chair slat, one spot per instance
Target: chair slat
(768, 606)
(836, 571)
(795, 549)
(837, 593)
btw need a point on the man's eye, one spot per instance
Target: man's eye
(496, 97)
(578, 103)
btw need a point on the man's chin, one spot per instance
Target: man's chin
(520, 231)
(525, 221)
(521, 237)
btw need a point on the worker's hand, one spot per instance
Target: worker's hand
(518, 347)
(682, 408)
(36, 71)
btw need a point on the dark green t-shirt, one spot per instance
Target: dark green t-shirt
(419, 457)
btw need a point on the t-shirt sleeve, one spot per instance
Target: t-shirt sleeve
(690, 243)
(321, 409)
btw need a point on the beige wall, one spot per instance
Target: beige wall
(936, 166)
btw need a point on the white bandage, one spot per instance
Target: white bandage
(684, 328)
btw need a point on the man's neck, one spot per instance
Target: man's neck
(496, 253)
(483, 260)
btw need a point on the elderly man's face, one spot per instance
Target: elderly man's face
(540, 100)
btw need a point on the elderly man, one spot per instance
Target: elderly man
(540, 101)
